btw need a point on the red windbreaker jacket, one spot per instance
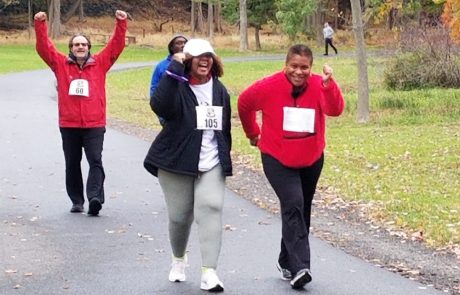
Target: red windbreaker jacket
(75, 111)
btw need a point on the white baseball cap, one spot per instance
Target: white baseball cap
(196, 47)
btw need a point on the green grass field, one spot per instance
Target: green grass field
(405, 161)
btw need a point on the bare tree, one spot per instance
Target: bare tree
(363, 81)
(29, 17)
(210, 20)
(54, 14)
(192, 18)
(77, 5)
(244, 44)
(199, 21)
(218, 16)
(81, 14)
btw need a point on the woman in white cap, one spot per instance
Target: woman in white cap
(191, 155)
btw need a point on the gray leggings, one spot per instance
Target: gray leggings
(202, 198)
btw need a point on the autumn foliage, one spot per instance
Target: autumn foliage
(451, 18)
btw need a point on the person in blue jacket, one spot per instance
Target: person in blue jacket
(176, 45)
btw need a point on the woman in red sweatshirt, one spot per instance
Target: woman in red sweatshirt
(294, 103)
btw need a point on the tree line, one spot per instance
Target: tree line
(296, 18)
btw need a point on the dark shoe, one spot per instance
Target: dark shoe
(286, 275)
(94, 207)
(301, 278)
(325, 54)
(76, 208)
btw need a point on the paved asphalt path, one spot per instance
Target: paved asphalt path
(44, 249)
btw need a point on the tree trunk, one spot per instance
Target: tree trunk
(218, 16)
(363, 82)
(192, 19)
(200, 22)
(72, 10)
(257, 38)
(243, 26)
(81, 15)
(210, 20)
(336, 18)
(318, 24)
(54, 19)
(29, 17)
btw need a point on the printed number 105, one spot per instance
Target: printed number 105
(211, 123)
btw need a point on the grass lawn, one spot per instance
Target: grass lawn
(17, 58)
(405, 161)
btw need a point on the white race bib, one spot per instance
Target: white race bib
(208, 117)
(79, 87)
(299, 119)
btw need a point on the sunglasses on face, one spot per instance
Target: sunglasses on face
(80, 44)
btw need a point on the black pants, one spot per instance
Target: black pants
(328, 41)
(295, 189)
(74, 140)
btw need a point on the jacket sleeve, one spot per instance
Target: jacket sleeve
(249, 102)
(156, 77)
(110, 53)
(164, 99)
(44, 46)
(332, 103)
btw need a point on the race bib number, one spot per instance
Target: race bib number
(299, 119)
(79, 87)
(208, 117)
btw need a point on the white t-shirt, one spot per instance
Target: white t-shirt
(209, 155)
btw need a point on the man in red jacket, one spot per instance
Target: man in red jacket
(81, 79)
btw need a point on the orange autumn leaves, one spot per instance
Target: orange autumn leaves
(451, 18)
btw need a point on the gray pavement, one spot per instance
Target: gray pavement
(44, 249)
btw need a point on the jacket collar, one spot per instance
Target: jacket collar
(89, 60)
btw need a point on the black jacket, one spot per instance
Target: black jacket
(177, 147)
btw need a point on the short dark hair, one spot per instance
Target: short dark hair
(77, 35)
(299, 49)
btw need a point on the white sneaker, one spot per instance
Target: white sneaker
(178, 265)
(210, 281)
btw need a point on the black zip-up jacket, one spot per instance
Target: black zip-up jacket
(176, 148)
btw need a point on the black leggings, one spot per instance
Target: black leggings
(295, 188)
(328, 41)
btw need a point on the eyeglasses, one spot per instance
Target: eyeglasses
(80, 44)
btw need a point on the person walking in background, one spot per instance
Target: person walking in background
(328, 32)
(191, 155)
(175, 45)
(294, 103)
(81, 94)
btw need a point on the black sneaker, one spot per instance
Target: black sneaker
(94, 207)
(301, 278)
(286, 274)
(76, 208)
